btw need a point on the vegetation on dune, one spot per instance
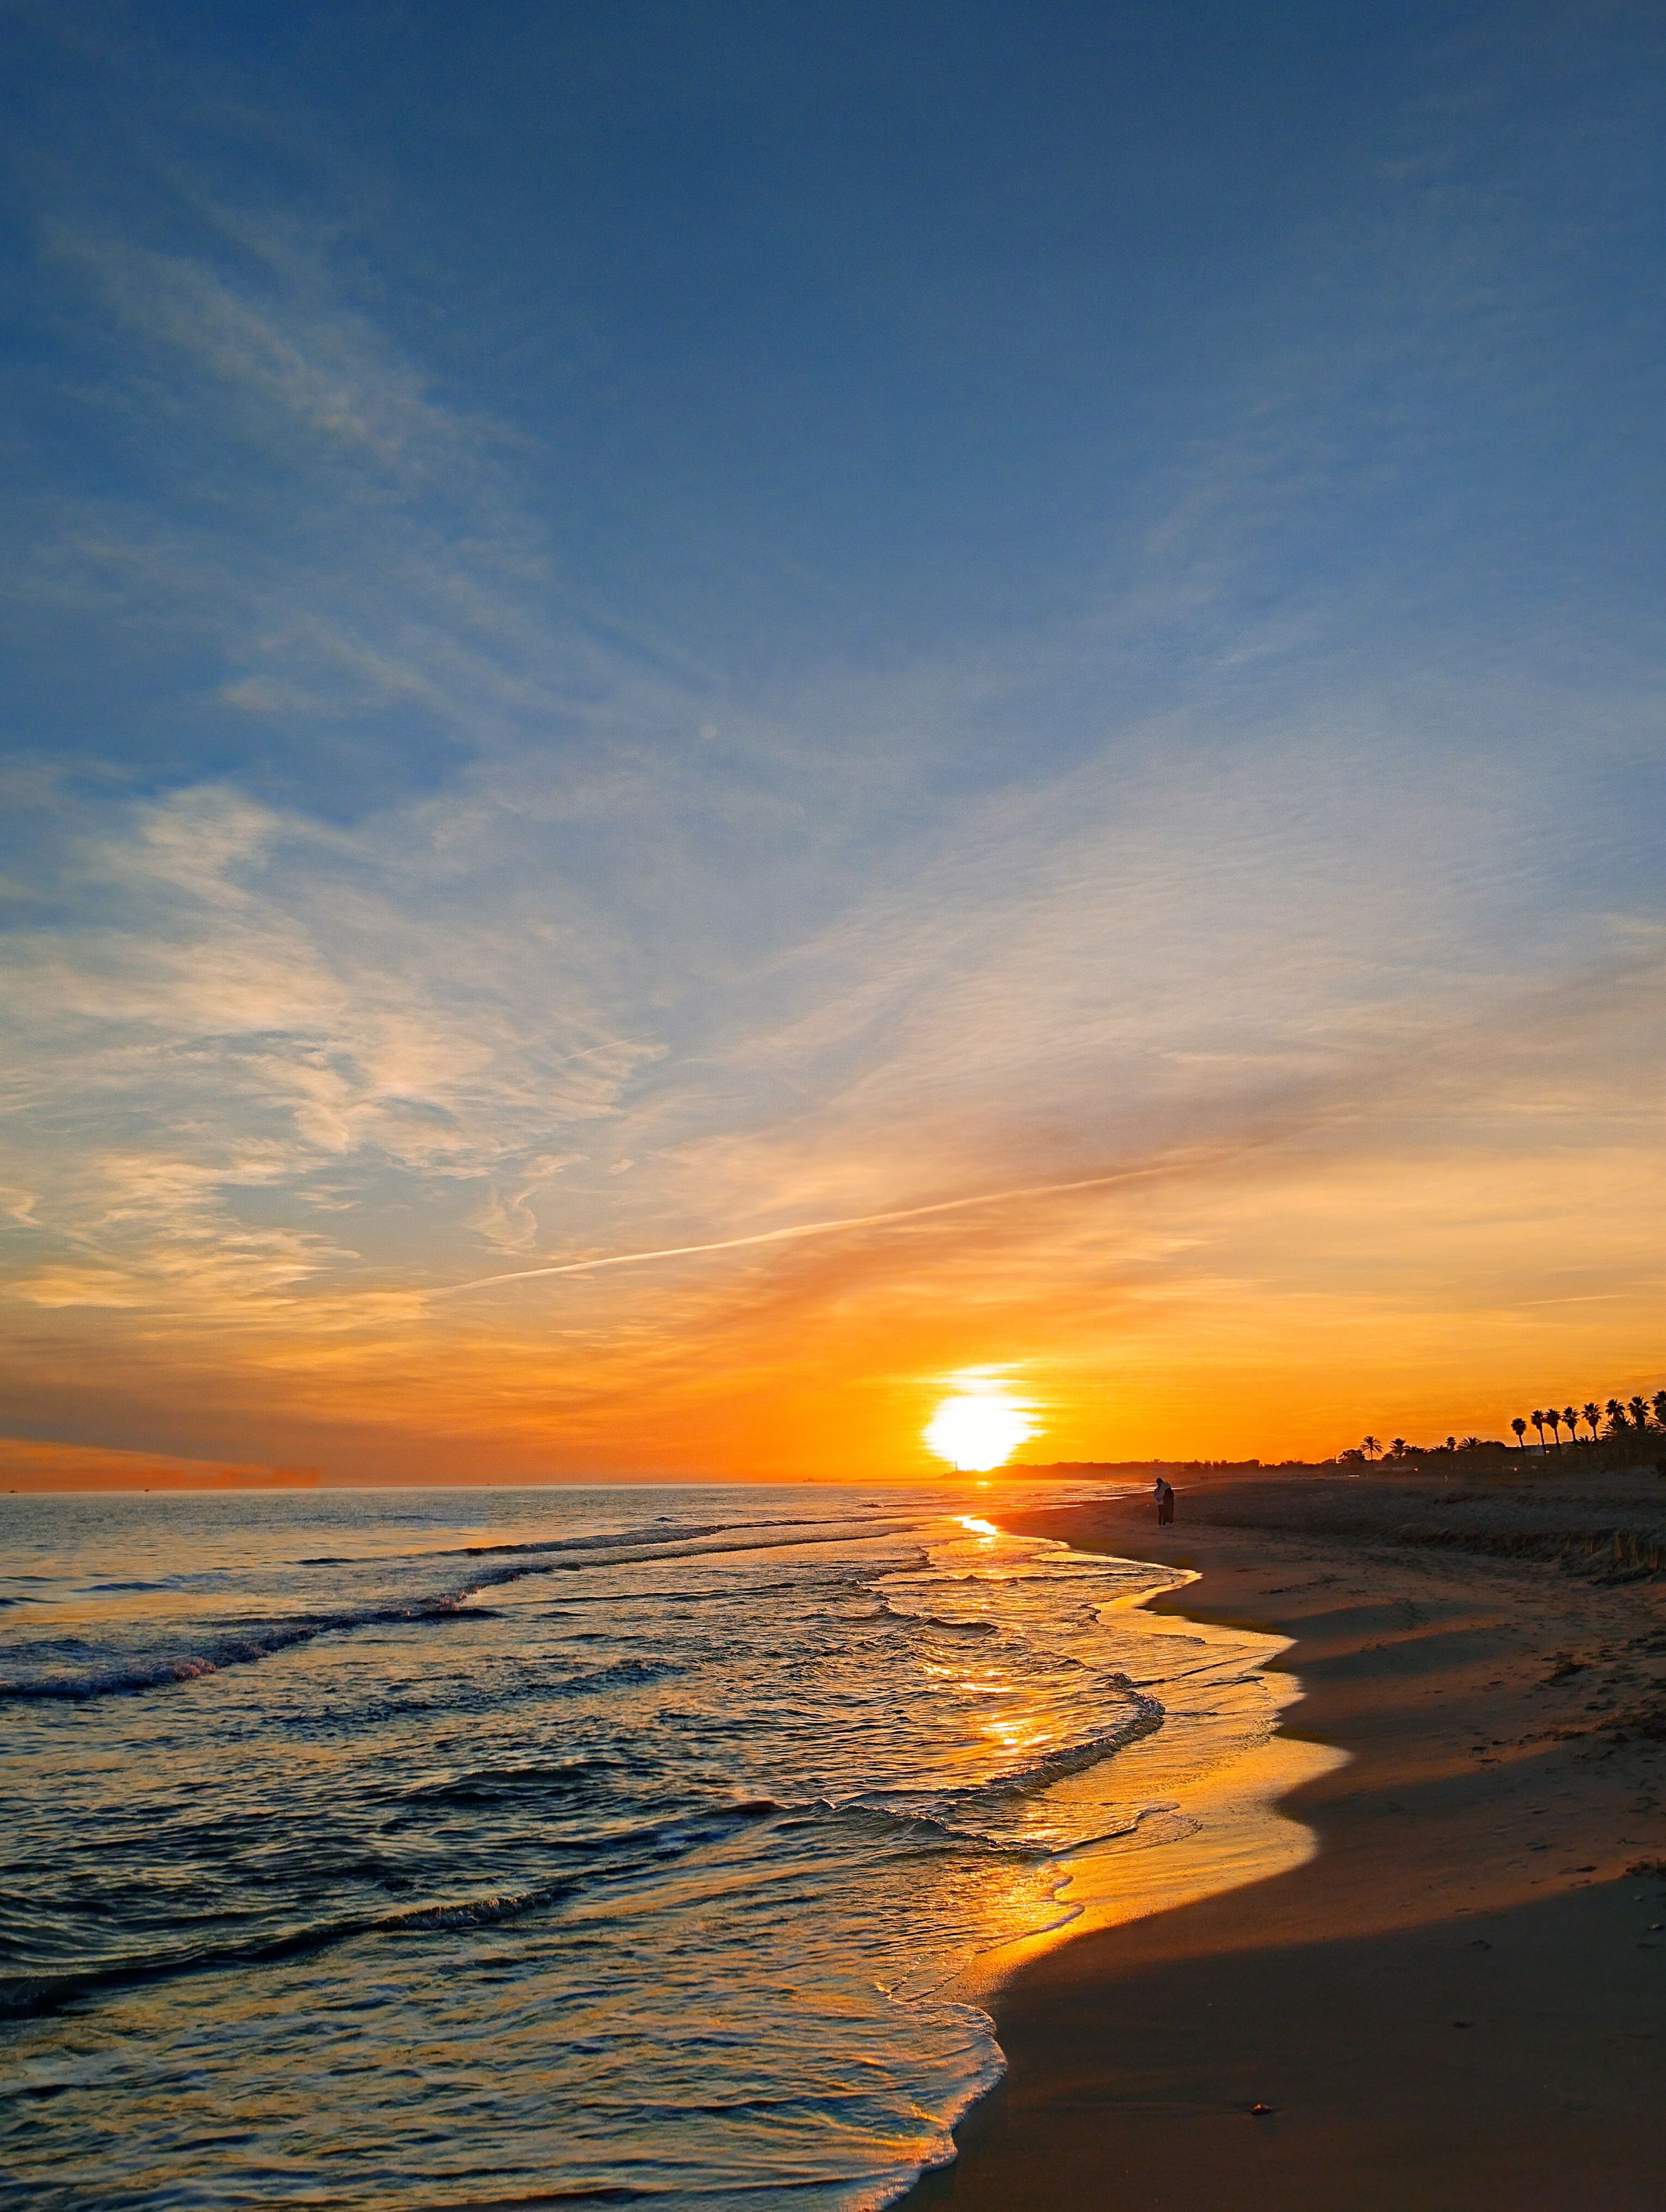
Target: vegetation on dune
(1617, 1422)
(1622, 1434)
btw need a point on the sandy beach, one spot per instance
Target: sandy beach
(1460, 2000)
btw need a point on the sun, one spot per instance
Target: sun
(980, 1427)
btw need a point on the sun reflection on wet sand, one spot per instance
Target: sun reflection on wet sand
(1197, 1823)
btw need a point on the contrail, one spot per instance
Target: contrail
(803, 1229)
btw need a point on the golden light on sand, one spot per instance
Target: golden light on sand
(981, 1426)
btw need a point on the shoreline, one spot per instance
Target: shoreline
(1460, 1999)
(1208, 1815)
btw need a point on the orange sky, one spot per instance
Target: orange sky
(1278, 1298)
(1076, 799)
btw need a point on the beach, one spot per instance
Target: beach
(1459, 1999)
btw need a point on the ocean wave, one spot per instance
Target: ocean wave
(657, 1535)
(1050, 1766)
(481, 1786)
(953, 1810)
(737, 1921)
(25, 1995)
(610, 1540)
(647, 1839)
(129, 1675)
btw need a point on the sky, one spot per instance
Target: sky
(719, 718)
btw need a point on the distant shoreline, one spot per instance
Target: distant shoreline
(29, 1467)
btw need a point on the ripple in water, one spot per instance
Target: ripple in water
(450, 1848)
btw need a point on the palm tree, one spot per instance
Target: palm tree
(1572, 1420)
(1658, 1401)
(1555, 1421)
(1538, 1421)
(1616, 1412)
(1397, 1447)
(1592, 1415)
(1639, 1412)
(1370, 1446)
(1520, 1427)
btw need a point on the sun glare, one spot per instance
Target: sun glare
(978, 1428)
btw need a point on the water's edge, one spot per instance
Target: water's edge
(782, 1799)
(1239, 1835)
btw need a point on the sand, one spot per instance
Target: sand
(1459, 2000)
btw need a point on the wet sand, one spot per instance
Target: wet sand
(1460, 2001)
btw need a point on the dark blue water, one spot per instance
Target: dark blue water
(461, 1847)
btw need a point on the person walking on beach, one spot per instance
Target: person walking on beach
(1163, 1492)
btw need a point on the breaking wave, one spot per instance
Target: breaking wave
(662, 1833)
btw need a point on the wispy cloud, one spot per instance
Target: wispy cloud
(1216, 970)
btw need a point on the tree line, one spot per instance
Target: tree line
(1635, 1416)
(1638, 1416)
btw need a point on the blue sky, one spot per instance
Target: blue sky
(639, 625)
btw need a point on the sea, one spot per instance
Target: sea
(559, 1845)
